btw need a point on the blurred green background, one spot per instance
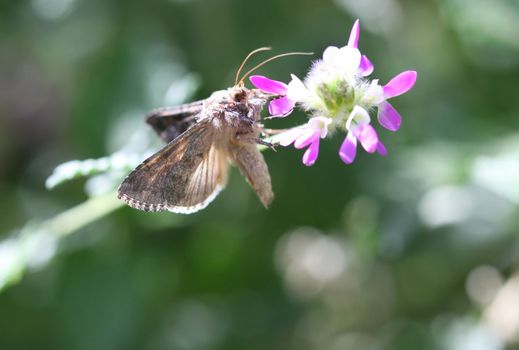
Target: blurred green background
(417, 250)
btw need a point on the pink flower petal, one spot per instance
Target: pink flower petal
(307, 137)
(366, 67)
(400, 84)
(288, 137)
(281, 107)
(388, 116)
(368, 137)
(311, 153)
(348, 149)
(268, 85)
(353, 41)
(381, 149)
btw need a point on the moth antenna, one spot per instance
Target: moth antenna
(271, 59)
(247, 58)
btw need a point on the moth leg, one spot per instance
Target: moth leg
(266, 143)
(252, 165)
(247, 138)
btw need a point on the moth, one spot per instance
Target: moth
(203, 138)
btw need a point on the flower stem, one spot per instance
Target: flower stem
(77, 217)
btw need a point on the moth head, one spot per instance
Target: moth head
(239, 94)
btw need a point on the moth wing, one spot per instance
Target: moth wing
(170, 122)
(252, 165)
(206, 182)
(183, 177)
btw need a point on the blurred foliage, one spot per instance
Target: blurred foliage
(417, 250)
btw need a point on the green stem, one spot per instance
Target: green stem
(77, 217)
(34, 244)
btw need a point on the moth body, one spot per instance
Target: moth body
(203, 138)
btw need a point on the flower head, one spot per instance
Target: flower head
(337, 89)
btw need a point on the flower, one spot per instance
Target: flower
(305, 135)
(337, 89)
(358, 124)
(388, 116)
(278, 107)
(360, 129)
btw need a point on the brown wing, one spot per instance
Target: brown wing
(170, 122)
(183, 177)
(252, 165)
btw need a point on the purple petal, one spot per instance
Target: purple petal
(388, 116)
(281, 107)
(400, 84)
(268, 85)
(366, 67)
(381, 149)
(311, 153)
(348, 149)
(307, 137)
(353, 41)
(368, 137)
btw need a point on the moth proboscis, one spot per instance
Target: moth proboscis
(202, 137)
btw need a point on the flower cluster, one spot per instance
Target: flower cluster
(337, 94)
